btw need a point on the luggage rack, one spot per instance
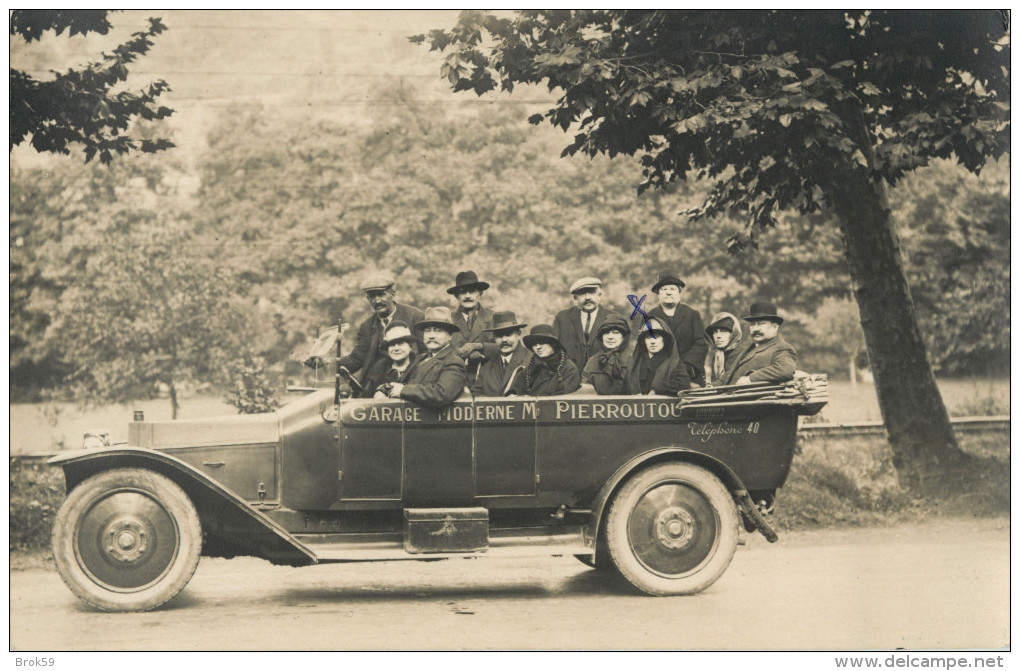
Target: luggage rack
(807, 391)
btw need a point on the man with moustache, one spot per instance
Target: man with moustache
(497, 374)
(768, 358)
(577, 328)
(438, 378)
(474, 340)
(684, 322)
(380, 293)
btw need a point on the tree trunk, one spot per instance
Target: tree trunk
(853, 374)
(921, 436)
(174, 406)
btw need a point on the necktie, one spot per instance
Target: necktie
(587, 324)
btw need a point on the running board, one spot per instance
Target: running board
(527, 542)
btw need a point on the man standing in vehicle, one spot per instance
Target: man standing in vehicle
(474, 340)
(438, 378)
(684, 322)
(379, 292)
(769, 358)
(577, 328)
(497, 374)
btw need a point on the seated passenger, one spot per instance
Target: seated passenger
(401, 348)
(496, 374)
(768, 358)
(439, 377)
(655, 367)
(606, 370)
(725, 337)
(549, 372)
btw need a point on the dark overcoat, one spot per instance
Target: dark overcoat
(607, 371)
(546, 378)
(382, 372)
(568, 329)
(368, 341)
(669, 376)
(772, 361)
(689, 333)
(436, 380)
(476, 334)
(493, 377)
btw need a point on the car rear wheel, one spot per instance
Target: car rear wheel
(672, 529)
(127, 540)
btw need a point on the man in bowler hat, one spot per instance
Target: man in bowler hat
(379, 292)
(684, 322)
(496, 374)
(439, 377)
(474, 340)
(768, 358)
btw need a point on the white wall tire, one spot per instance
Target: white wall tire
(127, 539)
(672, 529)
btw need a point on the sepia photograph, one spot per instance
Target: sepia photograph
(571, 330)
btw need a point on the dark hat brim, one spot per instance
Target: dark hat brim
(772, 318)
(532, 340)
(452, 328)
(669, 280)
(496, 330)
(606, 328)
(481, 286)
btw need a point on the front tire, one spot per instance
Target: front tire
(127, 540)
(672, 529)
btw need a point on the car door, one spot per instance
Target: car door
(505, 439)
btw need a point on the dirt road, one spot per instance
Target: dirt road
(943, 584)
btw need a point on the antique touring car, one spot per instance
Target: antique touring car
(651, 486)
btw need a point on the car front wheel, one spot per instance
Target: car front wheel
(127, 540)
(672, 529)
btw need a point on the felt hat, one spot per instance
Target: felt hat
(377, 281)
(614, 322)
(396, 332)
(667, 277)
(763, 310)
(439, 316)
(656, 328)
(721, 324)
(504, 321)
(585, 283)
(467, 281)
(542, 333)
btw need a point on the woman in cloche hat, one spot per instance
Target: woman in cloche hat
(606, 370)
(655, 367)
(549, 372)
(725, 335)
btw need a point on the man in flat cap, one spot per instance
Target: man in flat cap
(439, 377)
(577, 328)
(769, 358)
(379, 292)
(497, 373)
(684, 322)
(474, 340)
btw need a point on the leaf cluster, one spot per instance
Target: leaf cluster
(84, 106)
(776, 107)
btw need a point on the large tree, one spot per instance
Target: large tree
(783, 110)
(83, 106)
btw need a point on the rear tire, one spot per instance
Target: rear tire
(672, 529)
(127, 540)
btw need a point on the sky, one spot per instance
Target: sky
(297, 63)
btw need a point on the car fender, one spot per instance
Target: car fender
(659, 455)
(231, 527)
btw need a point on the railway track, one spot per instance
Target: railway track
(995, 423)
